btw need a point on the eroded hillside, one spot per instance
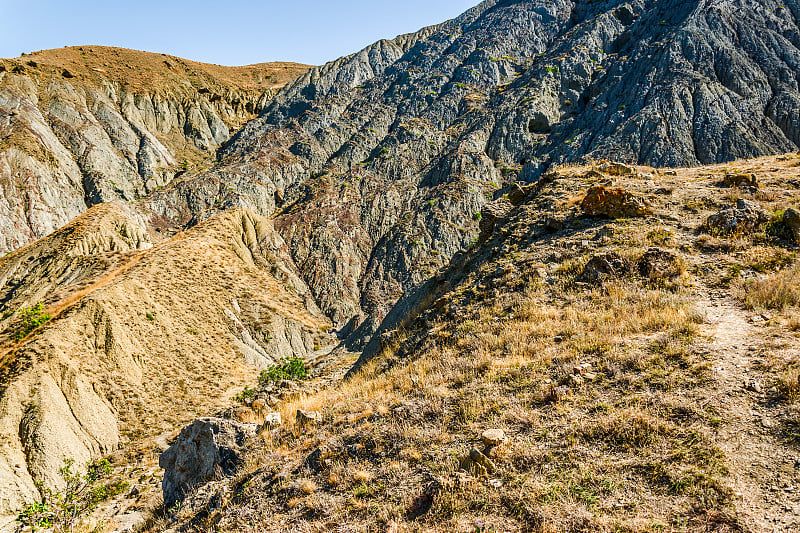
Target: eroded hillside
(631, 333)
(108, 335)
(84, 125)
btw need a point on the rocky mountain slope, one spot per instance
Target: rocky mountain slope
(618, 352)
(80, 126)
(109, 335)
(380, 161)
(357, 183)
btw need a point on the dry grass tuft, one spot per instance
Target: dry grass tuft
(780, 290)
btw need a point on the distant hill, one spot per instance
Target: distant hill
(88, 124)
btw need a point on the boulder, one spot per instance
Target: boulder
(308, 418)
(273, 420)
(493, 437)
(660, 264)
(491, 214)
(204, 448)
(605, 265)
(614, 203)
(791, 217)
(745, 217)
(617, 169)
(477, 464)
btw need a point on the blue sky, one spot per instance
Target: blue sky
(226, 32)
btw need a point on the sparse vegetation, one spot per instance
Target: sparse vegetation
(775, 291)
(290, 368)
(66, 509)
(32, 318)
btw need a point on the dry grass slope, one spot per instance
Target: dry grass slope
(621, 399)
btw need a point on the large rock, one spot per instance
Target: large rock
(660, 264)
(605, 265)
(745, 217)
(204, 449)
(614, 203)
(791, 217)
(491, 215)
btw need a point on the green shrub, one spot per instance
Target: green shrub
(82, 493)
(245, 395)
(291, 368)
(32, 318)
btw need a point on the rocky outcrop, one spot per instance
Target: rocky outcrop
(207, 448)
(613, 203)
(791, 217)
(117, 124)
(745, 217)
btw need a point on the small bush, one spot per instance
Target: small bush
(245, 395)
(291, 368)
(65, 510)
(778, 229)
(32, 318)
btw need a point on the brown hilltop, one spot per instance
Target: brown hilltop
(146, 70)
(91, 124)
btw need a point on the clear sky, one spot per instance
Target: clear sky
(226, 32)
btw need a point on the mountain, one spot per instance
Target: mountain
(140, 335)
(380, 161)
(90, 124)
(351, 203)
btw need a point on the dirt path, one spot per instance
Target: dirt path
(764, 472)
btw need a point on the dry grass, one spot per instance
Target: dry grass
(140, 70)
(570, 457)
(780, 290)
(596, 387)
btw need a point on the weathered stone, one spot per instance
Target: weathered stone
(746, 217)
(259, 405)
(660, 264)
(603, 266)
(477, 464)
(617, 169)
(308, 418)
(493, 437)
(479, 458)
(614, 203)
(204, 448)
(273, 420)
(491, 215)
(791, 217)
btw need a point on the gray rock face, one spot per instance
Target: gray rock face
(206, 448)
(67, 143)
(382, 158)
